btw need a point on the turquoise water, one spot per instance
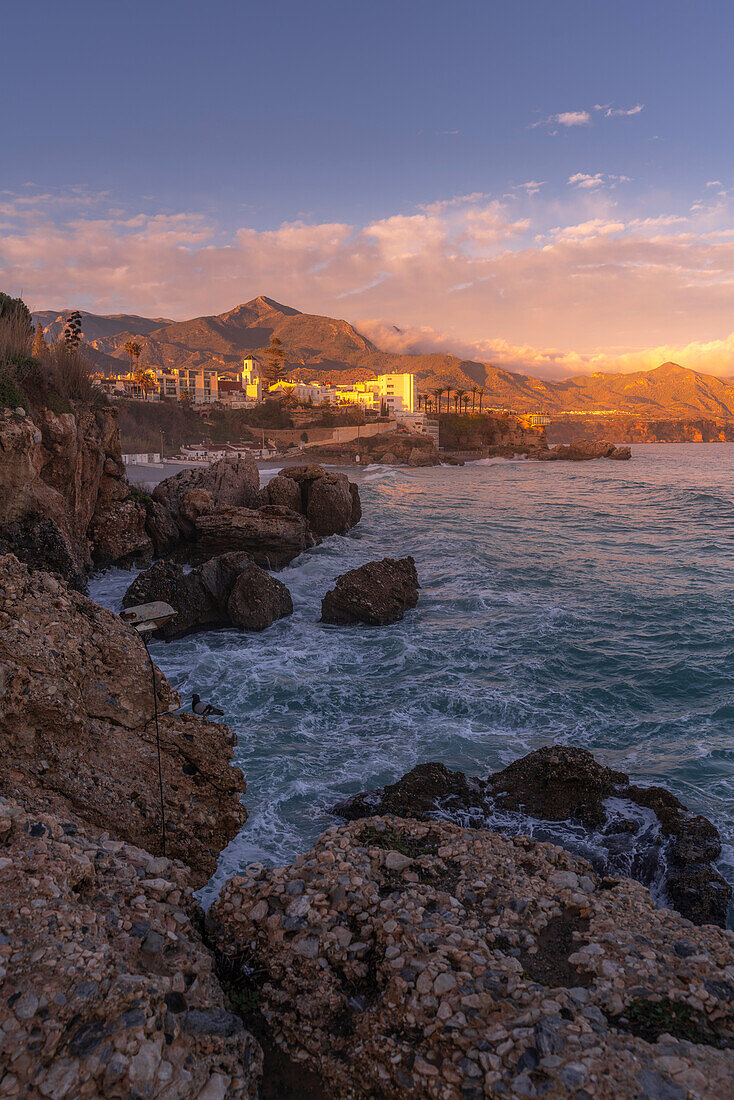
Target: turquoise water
(588, 604)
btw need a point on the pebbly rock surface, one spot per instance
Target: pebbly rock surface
(106, 988)
(231, 482)
(329, 501)
(77, 729)
(64, 499)
(377, 593)
(563, 794)
(272, 535)
(229, 590)
(583, 450)
(403, 959)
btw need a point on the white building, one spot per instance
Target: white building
(399, 393)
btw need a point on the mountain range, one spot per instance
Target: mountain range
(333, 350)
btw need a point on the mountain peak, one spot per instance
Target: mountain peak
(262, 304)
(671, 368)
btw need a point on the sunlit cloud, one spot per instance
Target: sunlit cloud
(579, 285)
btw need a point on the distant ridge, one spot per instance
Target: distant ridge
(326, 348)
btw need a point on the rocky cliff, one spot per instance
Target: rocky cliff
(78, 733)
(64, 500)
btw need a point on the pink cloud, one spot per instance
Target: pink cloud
(469, 276)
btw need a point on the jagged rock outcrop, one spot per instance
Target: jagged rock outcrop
(377, 593)
(329, 501)
(106, 989)
(64, 500)
(273, 536)
(583, 450)
(229, 590)
(556, 784)
(403, 959)
(231, 482)
(78, 734)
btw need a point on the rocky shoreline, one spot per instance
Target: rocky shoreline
(427, 948)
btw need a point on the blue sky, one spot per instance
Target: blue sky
(169, 150)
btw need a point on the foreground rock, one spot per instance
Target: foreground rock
(407, 959)
(563, 795)
(377, 593)
(77, 729)
(64, 500)
(582, 451)
(229, 590)
(106, 989)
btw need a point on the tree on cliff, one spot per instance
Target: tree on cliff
(72, 334)
(275, 362)
(40, 347)
(16, 326)
(133, 350)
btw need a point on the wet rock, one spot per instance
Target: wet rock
(567, 785)
(329, 500)
(438, 996)
(77, 730)
(128, 1030)
(284, 491)
(229, 590)
(38, 542)
(582, 450)
(377, 593)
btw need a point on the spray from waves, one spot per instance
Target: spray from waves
(628, 844)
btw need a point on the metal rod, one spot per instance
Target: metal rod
(158, 748)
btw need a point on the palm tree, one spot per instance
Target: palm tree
(133, 351)
(481, 398)
(458, 398)
(465, 399)
(438, 394)
(421, 397)
(473, 397)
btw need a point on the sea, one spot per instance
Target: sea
(588, 604)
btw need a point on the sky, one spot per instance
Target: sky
(547, 186)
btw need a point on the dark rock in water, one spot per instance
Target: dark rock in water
(38, 542)
(416, 794)
(582, 451)
(564, 796)
(285, 492)
(377, 593)
(230, 590)
(273, 536)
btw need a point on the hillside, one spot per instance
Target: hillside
(330, 349)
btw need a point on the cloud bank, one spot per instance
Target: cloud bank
(522, 282)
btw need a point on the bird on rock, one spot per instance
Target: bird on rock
(204, 710)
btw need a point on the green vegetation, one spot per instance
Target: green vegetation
(650, 1019)
(140, 497)
(54, 376)
(393, 841)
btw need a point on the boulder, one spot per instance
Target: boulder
(376, 593)
(231, 482)
(119, 535)
(38, 541)
(563, 795)
(78, 732)
(583, 450)
(161, 528)
(106, 988)
(406, 959)
(389, 458)
(329, 500)
(273, 536)
(284, 491)
(229, 590)
(423, 456)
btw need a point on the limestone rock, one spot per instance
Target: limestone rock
(229, 590)
(106, 989)
(583, 450)
(557, 785)
(62, 477)
(161, 528)
(77, 729)
(284, 491)
(273, 536)
(329, 500)
(421, 456)
(231, 482)
(468, 965)
(376, 593)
